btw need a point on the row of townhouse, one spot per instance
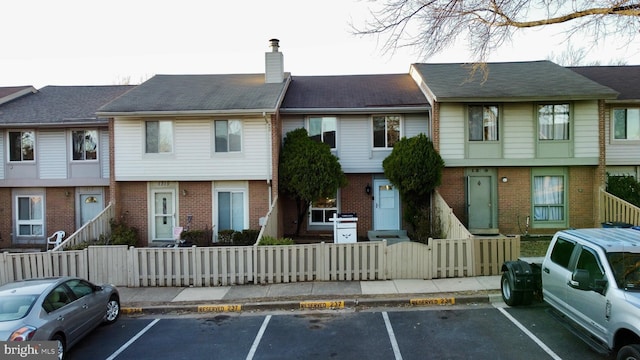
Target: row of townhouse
(526, 148)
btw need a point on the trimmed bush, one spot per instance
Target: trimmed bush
(268, 240)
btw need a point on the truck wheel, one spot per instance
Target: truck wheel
(629, 352)
(510, 297)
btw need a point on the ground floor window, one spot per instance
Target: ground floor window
(231, 210)
(30, 211)
(549, 197)
(322, 210)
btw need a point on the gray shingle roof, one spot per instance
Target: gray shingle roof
(200, 93)
(353, 92)
(623, 79)
(9, 93)
(512, 81)
(53, 105)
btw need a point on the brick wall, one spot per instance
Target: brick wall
(514, 199)
(60, 211)
(133, 206)
(258, 202)
(5, 217)
(581, 196)
(452, 190)
(197, 203)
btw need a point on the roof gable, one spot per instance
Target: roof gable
(512, 81)
(200, 94)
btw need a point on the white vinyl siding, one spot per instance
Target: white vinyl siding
(193, 157)
(103, 153)
(585, 129)
(619, 152)
(452, 136)
(518, 128)
(52, 158)
(415, 124)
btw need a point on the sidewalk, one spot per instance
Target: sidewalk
(319, 294)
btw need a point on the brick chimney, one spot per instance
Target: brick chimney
(274, 64)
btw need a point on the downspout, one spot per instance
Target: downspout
(270, 157)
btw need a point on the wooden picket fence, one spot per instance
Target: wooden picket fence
(232, 265)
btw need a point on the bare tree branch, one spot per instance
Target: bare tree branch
(430, 26)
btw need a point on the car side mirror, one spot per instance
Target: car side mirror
(97, 288)
(580, 279)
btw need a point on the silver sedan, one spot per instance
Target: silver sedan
(61, 309)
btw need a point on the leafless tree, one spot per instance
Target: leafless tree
(430, 26)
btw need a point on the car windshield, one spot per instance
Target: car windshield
(626, 269)
(16, 306)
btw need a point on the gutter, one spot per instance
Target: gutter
(363, 110)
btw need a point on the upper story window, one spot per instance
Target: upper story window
(483, 123)
(553, 122)
(159, 136)
(386, 131)
(626, 124)
(228, 135)
(323, 129)
(22, 145)
(85, 144)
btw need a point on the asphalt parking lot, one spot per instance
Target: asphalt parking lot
(479, 331)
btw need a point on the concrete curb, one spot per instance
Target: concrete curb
(307, 304)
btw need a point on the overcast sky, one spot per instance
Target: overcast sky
(86, 42)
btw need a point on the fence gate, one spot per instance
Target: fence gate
(409, 260)
(108, 264)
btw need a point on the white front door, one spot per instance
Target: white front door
(163, 215)
(386, 202)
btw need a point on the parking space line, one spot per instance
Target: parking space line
(528, 333)
(256, 342)
(392, 336)
(128, 343)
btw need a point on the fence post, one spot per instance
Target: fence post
(132, 267)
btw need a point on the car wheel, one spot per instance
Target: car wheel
(113, 310)
(510, 297)
(60, 345)
(629, 352)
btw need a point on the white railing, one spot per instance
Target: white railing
(91, 231)
(614, 209)
(451, 226)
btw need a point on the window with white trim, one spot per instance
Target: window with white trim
(30, 215)
(386, 131)
(84, 144)
(228, 135)
(158, 136)
(231, 210)
(22, 145)
(626, 124)
(322, 210)
(323, 129)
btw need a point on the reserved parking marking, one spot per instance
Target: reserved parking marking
(322, 304)
(220, 308)
(433, 301)
(131, 310)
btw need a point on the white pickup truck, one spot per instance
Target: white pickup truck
(591, 278)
